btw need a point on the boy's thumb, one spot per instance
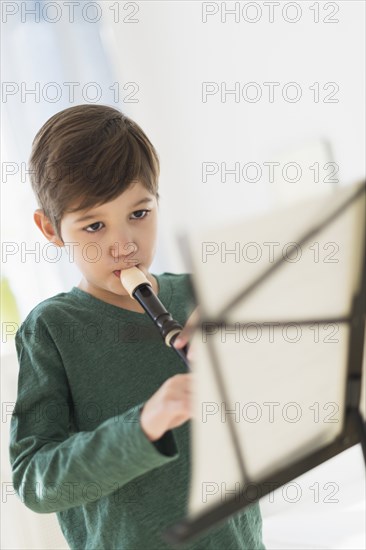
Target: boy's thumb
(188, 329)
(180, 341)
(184, 336)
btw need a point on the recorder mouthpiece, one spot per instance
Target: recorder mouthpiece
(132, 278)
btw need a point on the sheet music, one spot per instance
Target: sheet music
(285, 383)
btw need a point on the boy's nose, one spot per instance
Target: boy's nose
(123, 250)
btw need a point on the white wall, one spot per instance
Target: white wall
(170, 51)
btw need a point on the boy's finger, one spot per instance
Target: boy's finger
(180, 341)
(183, 337)
(190, 355)
(188, 329)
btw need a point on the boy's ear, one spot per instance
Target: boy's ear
(44, 224)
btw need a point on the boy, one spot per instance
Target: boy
(99, 433)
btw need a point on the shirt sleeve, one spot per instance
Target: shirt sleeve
(52, 469)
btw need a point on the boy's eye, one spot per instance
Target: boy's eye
(138, 212)
(94, 226)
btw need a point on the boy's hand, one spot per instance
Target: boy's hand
(187, 332)
(171, 405)
(168, 407)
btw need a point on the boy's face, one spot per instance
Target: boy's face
(118, 235)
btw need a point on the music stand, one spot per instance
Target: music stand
(284, 395)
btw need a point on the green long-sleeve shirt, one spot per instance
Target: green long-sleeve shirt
(77, 447)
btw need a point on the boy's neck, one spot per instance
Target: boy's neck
(124, 302)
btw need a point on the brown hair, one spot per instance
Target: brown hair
(87, 155)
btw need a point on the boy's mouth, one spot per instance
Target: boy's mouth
(118, 271)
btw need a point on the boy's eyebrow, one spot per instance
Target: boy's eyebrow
(91, 216)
